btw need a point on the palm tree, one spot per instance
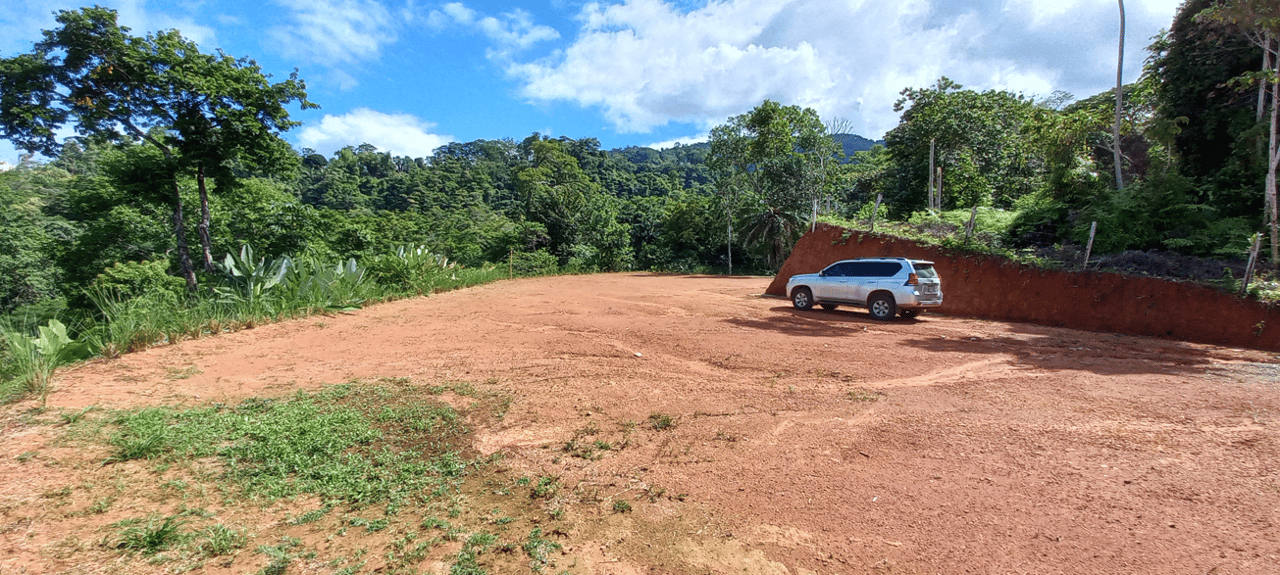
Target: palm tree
(774, 228)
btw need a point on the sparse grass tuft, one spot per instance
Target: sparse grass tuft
(864, 395)
(546, 488)
(661, 422)
(151, 536)
(539, 548)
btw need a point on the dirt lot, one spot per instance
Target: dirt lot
(805, 442)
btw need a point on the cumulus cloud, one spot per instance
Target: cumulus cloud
(646, 63)
(399, 134)
(20, 25)
(335, 32)
(510, 32)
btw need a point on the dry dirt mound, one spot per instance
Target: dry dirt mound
(804, 442)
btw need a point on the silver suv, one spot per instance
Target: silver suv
(885, 286)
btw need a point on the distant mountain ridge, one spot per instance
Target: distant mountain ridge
(849, 142)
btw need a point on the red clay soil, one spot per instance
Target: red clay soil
(995, 288)
(805, 442)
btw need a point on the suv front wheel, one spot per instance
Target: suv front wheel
(802, 298)
(882, 307)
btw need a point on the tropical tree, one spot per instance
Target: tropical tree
(778, 159)
(985, 156)
(91, 72)
(1259, 21)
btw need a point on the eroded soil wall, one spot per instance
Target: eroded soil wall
(995, 288)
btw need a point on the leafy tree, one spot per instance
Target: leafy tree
(33, 234)
(985, 156)
(1259, 21)
(159, 89)
(121, 216)
(1204, 112)
(558, 194)
(776, 158)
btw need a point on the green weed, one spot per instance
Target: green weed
(661, 422)
(538, 548)
(150, 537)
(215, 540)
(546, 488)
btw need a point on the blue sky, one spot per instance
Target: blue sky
(410, 75)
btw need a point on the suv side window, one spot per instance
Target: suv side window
(860, 269)
(888, 269)
(877, 269)
(842, 269)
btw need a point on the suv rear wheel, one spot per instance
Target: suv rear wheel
(882, 306)
(802, 298)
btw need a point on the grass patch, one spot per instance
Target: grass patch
(371, 471)
(149, 536)
(358, 444)
(661, 422)
(863, 395)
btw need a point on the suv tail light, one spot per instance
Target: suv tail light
(913, 280)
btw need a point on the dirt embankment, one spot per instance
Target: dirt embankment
(992, 287)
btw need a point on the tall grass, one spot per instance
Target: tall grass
(249, 291)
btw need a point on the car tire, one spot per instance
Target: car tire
(802, 298)
(882, 307)
(828, 306)
(909, 313)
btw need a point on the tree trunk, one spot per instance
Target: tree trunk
(1273, 161)
(1115, 130)
(729, 244)
(184, 255)
(203, 228)
(1262, 86)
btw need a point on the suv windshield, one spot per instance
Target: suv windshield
(926, 271)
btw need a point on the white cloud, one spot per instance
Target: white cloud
(20, 25)
(399, 134)
(646, 63)
(681, 141)
(335, 32)
(511, 31)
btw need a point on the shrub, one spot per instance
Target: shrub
(129, 280)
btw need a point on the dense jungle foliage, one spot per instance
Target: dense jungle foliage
(165, 153)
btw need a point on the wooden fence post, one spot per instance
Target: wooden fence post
(1089, 249)
(968, 229)
(938, 197)
(932, 144)
(875, 210)
(1248, 268)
